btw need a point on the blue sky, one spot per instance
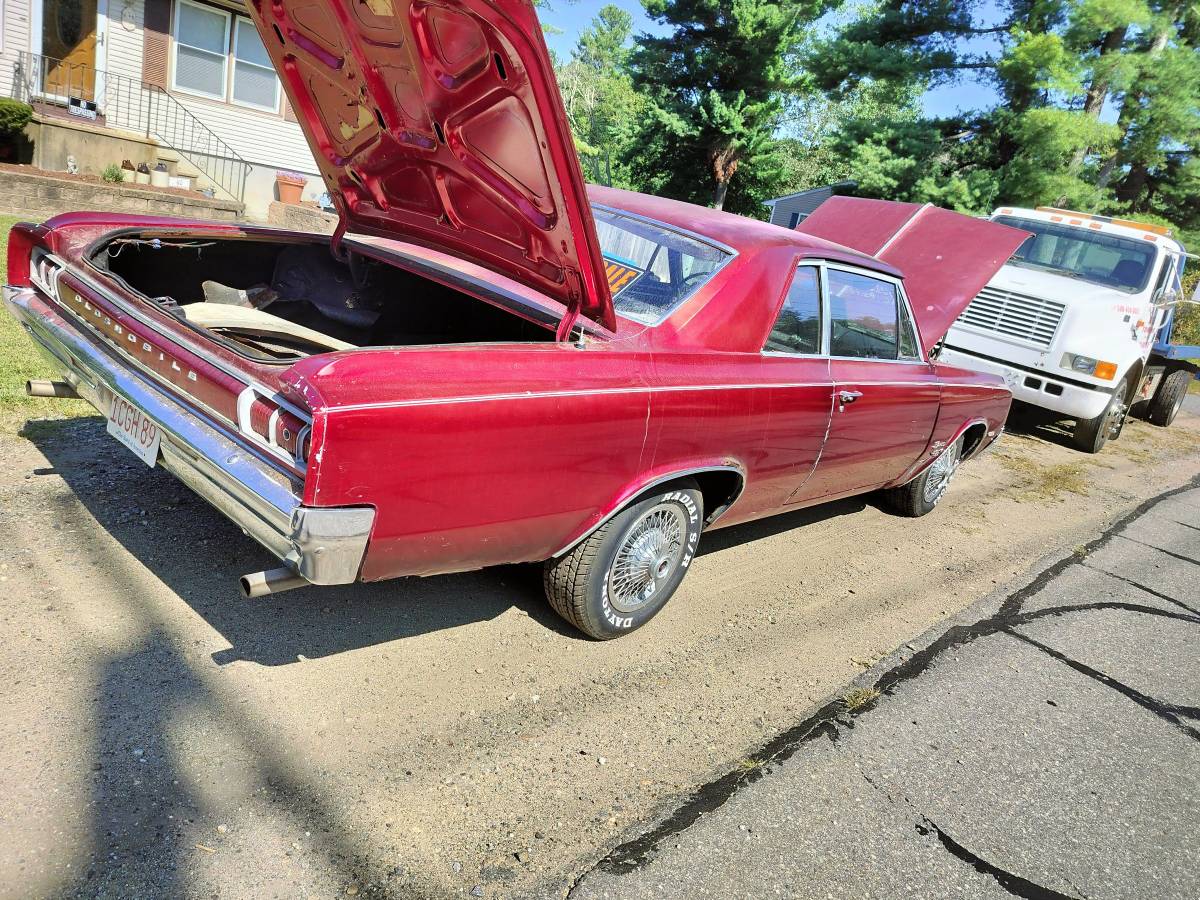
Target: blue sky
(572, 18)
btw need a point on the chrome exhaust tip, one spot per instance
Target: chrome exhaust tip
(38, 387)
(272, 581)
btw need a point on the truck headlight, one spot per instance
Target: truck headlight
(1097, 368)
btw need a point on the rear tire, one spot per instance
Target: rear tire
(1167, 400)
(620, 576)
(1091, 435)
(923, 493)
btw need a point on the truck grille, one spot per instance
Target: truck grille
(1030, 319)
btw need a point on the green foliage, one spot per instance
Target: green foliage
(14, 116)
(714, 87)
(602, 106)
(112, 174)
(743, 100)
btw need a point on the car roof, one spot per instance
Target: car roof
(740, 233)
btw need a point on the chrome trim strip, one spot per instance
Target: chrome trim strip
(661, 389)
(682, 473)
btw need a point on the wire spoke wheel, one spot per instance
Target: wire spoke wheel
(940, 472)
(647, 556)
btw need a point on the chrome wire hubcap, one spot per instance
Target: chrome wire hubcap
(940, 473)
(647, 556)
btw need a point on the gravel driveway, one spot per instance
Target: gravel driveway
(449, 736)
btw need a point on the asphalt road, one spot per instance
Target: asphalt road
(1043, 744)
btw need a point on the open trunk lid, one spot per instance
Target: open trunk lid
(946, 257)
(441, 123)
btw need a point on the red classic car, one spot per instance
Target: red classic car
(490, 363)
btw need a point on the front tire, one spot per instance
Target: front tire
(923, 493)
(1164, 407)
(620, 576)
(1090, 435)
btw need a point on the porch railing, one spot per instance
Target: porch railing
(132, 105)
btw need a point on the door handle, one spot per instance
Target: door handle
(848, 396)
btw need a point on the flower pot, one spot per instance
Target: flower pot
(159, 176)
(290, 188)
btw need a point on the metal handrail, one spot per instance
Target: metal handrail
(133, 105)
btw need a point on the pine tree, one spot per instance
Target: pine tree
(714, 87)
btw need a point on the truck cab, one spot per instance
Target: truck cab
(1069, 321)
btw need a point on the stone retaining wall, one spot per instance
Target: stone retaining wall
(38, 196)
(302, 217)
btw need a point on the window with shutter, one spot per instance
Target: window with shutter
(156, 42)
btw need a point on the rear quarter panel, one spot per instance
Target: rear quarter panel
(478, 456)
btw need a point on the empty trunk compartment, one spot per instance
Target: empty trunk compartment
(281, 300)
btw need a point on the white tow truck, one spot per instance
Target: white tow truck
(1079, 321)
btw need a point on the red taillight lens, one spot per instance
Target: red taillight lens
(22, 238)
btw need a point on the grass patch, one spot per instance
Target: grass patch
(1038, 481)
(20, 361)
(860, 697)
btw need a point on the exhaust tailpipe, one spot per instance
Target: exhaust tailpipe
(38, 387)
(273, 581)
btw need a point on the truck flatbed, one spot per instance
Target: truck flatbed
(1176, 351)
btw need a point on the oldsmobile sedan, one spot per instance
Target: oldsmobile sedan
(489, 362)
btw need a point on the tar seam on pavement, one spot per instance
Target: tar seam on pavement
(829, 719)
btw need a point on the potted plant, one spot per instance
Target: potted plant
(290, 185)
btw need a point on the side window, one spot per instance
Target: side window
(798, 328)
(863, 316)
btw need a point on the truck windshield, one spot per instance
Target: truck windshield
(651, 268)
(1116, 262)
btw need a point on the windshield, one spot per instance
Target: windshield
(651, 268)
(1116, 262)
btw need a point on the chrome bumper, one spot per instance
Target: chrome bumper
(324, 545)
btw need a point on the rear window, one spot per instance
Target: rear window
(651, 267)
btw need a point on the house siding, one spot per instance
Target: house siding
(259, 138)
(15, 30)
(800, 205)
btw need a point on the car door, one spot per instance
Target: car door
(885, 395)
(796, 369)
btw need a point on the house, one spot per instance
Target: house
(184, 82)
(792, 209)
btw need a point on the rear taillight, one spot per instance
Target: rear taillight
(22, 238)
(274, 423)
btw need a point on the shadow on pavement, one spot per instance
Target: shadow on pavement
(200, 555)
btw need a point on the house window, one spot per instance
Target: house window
(794, 220)
(254, 80)
(220, 56)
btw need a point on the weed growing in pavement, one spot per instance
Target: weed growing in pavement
(859, 697)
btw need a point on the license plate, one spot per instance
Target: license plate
(133, 428)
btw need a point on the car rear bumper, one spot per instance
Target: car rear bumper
(324, 545)
(1036, 388)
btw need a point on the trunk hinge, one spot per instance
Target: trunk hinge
(339, 233)
(566, 325)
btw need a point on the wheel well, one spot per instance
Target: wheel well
(971, 439)
(718, 487)
(1134, 382)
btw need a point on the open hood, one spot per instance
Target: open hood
(441, 123)
(946, 257)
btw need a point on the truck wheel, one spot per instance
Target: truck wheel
(922, 494)
(617, 580)
(1164, 407)
(1091, 435)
